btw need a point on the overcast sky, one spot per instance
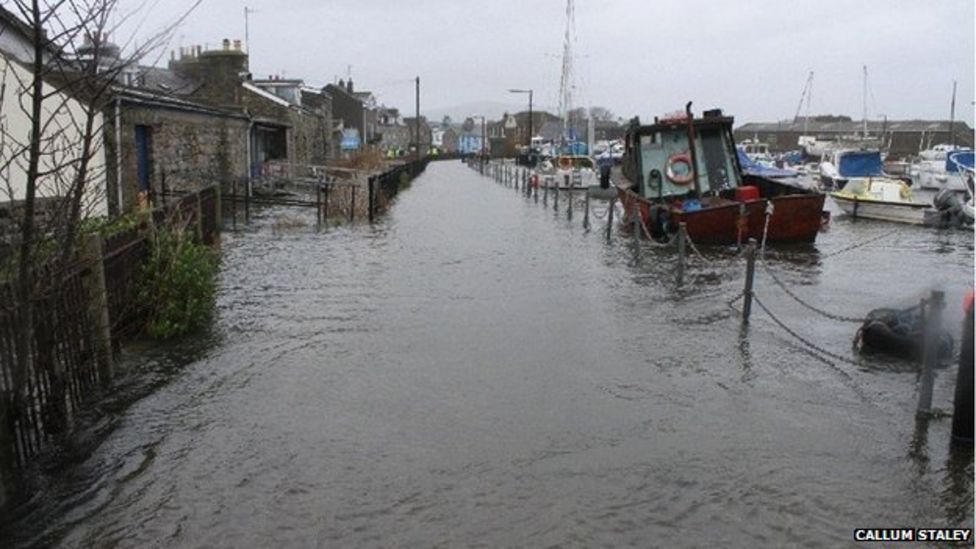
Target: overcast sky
(748, 57)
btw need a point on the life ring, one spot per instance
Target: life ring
(565, 163)
(680, 158)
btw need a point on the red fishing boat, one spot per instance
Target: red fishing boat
(682, 169)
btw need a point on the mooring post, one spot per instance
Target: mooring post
(555, 197)
(545, 192)
(932, 332)
(525, 182)
(98, 307)
(535, 190)
(586, 211)
(962, 413)
(372, 197)
(854, 215)
(682, 235)
(569, 198)
(635, 227)
(750, 276)
(611, 208)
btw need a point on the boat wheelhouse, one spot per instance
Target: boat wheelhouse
(685, 170)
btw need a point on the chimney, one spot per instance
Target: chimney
(237, 45)
(172, 55)
(226, 44)
(342, 83)
(349, 85)
(199, 51)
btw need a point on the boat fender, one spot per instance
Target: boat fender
(682, 179)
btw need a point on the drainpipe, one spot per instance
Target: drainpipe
(250, 153)
(118, 152)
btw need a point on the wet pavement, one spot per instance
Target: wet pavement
(476, 370)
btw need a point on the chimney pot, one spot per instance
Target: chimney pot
(226, 44)
(199, 50)
(237, 45)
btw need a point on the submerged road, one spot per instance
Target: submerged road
(476, 370)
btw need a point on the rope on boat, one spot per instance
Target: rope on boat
(799, 300)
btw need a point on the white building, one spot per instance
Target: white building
(64, 122)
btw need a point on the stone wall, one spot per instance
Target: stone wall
(190, 149)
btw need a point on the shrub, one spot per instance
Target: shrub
(178, 284)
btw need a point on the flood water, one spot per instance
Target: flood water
(476, 370)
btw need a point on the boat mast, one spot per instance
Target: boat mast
(806, 117)
(952, 118)
(864, 117)
(566, 78)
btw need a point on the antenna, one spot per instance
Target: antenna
(864, 117)
(247, 34)
(952, 118)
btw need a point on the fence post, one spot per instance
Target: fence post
(318, 205)
(352, 204)
(682, 235)
(932, 332)
(750, 276)
(8, 457)
(98, 306)
(199, 224)
(325, 203)
(372, 197)
(612, 207)
(586, 212)
(962, 413)
(247, 204)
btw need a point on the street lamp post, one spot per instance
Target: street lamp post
(528, 141)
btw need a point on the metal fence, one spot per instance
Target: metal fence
(38, 399)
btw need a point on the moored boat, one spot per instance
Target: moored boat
(685, 170)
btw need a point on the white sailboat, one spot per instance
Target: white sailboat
(568, 168)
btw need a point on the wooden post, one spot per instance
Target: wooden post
(98, 307)
(352, 204)
(750, 276)
(962, 413)
(613, 205)
(586, 212)
(682, 235)
(932, 332)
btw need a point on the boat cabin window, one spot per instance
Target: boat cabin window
(665, 162)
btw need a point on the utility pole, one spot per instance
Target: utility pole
(417, 139)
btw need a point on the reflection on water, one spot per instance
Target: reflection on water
(476, 369)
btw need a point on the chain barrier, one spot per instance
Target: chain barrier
(694, 249)
(858, 245)
(798, 299)
(802, 339)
